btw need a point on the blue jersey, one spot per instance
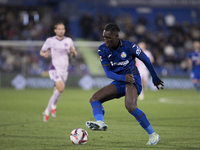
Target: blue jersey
(121, 60)
(194, 56)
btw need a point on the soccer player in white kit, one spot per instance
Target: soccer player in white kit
(144, 72)
(59, 48)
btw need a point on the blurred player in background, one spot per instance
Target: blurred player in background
(144, 72)
(58, 47)
(194, 64)
(117, 57)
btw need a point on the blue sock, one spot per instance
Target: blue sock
(143, 121)
(98, 111)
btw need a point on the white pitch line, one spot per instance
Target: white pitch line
(170, 100)
(177, 101)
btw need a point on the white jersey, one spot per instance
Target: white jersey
(59, 50)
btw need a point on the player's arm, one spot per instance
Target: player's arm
(137, 51)
(107, 68)
(114, 76)
(157, 82)
(73, 52)
(111, 74)
(44, 53)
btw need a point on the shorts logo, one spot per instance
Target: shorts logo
(123, 55)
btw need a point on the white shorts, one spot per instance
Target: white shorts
(58, 76)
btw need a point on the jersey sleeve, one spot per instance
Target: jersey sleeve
(102, 56)
(107, 68)
(136, 50)
(46, 45)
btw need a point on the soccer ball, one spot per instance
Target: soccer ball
(79, 136)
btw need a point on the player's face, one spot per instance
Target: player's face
(60, 30)
(111, 39)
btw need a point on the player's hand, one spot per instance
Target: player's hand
(129, 78)
(73, 52)
(158, 83)
(45, 54)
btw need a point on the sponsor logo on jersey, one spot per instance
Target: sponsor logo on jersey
(123, 55)
(121, 63)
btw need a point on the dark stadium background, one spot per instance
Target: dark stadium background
(32, 20)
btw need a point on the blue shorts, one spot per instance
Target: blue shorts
(121, 86)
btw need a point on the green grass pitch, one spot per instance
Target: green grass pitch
(174, 115)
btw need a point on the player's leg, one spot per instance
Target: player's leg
(58, 89)
(106, 93)
(51, 107)
(131, 106)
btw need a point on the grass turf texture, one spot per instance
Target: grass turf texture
(174, 115)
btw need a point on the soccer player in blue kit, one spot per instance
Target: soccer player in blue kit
(117, 57)
(194, 64)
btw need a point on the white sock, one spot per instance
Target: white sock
(56, 97)
(46, 112)
(53, 100)
(53, 106)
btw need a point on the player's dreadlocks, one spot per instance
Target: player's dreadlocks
(112, 27)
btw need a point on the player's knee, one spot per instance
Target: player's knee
(92, 99)
(131, 108)
(60, 89)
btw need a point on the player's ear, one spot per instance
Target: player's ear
(55, 30)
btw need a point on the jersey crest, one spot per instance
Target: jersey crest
(123, 55)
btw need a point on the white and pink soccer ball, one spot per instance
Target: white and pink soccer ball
(79, 136)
